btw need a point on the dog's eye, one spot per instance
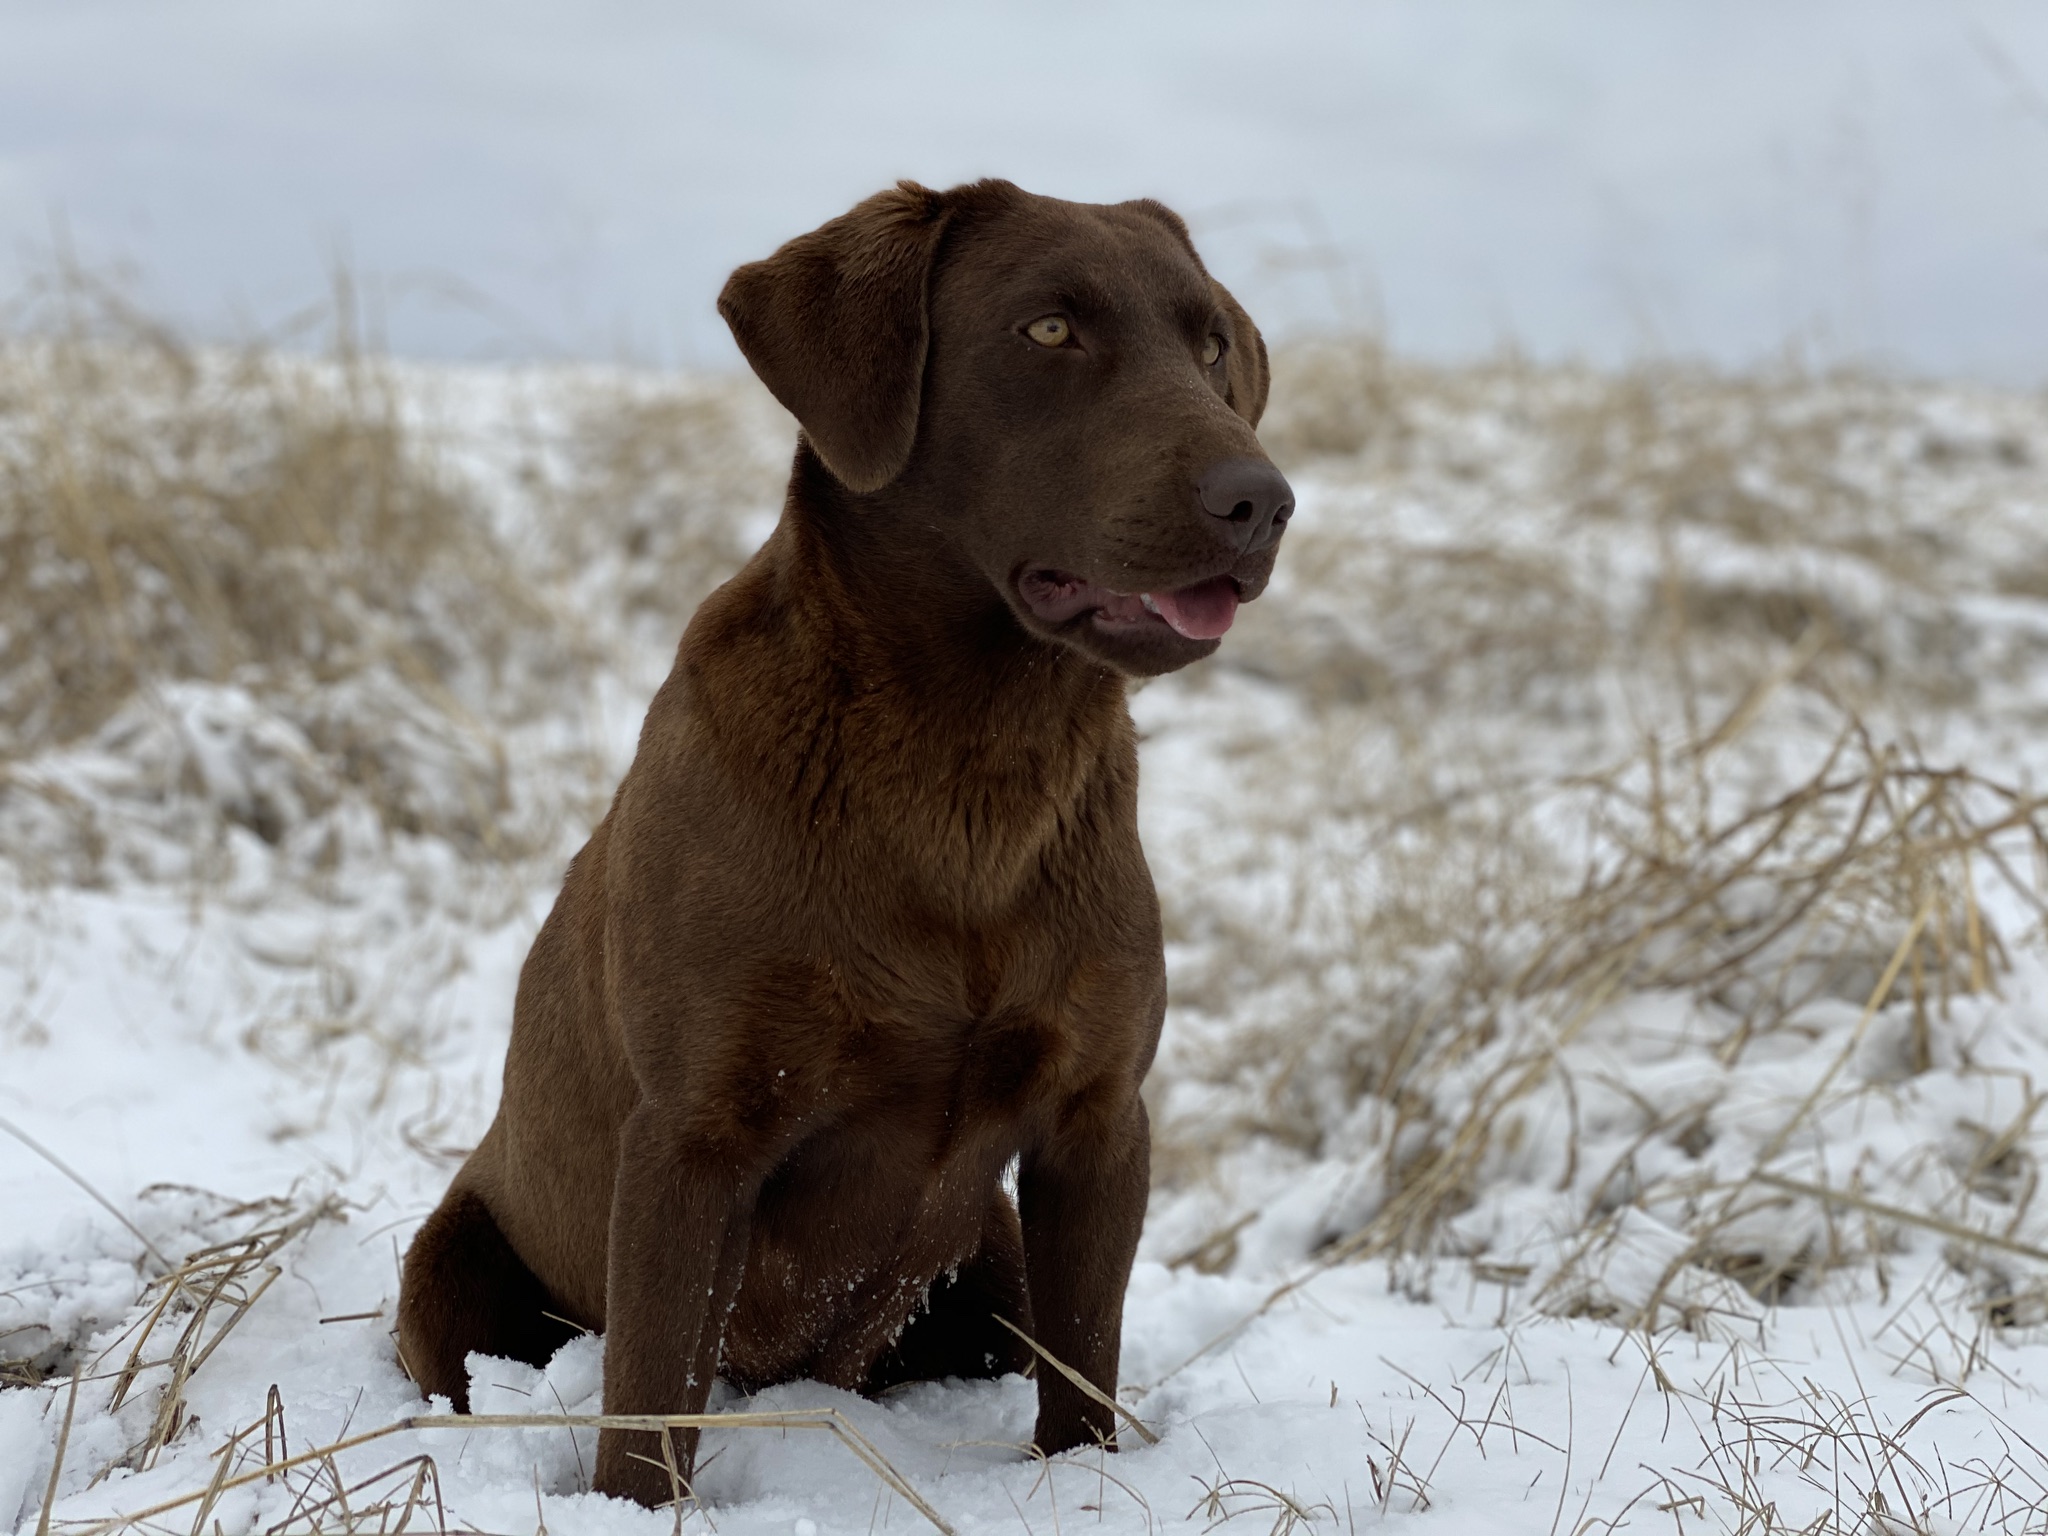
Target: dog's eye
(1049, 331)
(1212, 350)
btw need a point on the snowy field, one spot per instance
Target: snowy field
(1604, 882)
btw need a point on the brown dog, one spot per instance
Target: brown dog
(868, 919)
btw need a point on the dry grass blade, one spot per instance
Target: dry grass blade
(1889, 1212)
(77, 1178)
(57, 1458)
(1251, 1497)
(224, 1463)
(361, 1514)
(1082, 1384)
(173, 519)
(227, 1278)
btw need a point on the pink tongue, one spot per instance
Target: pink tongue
(1200, 612)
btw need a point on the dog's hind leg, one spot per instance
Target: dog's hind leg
(957, 1332)
(465, 1291)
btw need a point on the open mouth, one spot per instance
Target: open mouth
(1201, 611)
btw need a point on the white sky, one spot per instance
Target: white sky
(1866, 178)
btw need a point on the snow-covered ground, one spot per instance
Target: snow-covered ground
(1603, 889)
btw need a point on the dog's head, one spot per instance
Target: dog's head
(1061, 387)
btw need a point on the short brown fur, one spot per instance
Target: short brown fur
(868, 918)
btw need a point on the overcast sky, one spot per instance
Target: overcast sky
(1604, 177)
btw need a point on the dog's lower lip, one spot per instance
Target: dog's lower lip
(1200, 610)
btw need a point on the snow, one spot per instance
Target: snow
(238, 998)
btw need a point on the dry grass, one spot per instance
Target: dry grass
(1755, 1450)
(184, 1314)
(386, 1501)
(660, 490)
(1585, 693)
(1777, 504)
(1857, 885)
(197, 1303)
(1619, 688)
(271, 583)
(242, 519)
(181, 1315)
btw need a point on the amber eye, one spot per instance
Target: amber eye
(1049, 330)
(1212, 350)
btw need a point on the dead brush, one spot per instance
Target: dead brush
(1776, 458)
(652, 484)
(182, 1316)
(1782, 498)
(1742, 592)
(168, 514)
(1862, 883)
(1336, 397)
(1766, 1459)
(1232, 1498)
(1779, 498)
(195, 1306)
(187, 1312)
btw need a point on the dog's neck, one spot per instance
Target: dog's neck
(900, 606)
(872, 694)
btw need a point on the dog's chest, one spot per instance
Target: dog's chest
(1011, 1050)
(1000, 1067)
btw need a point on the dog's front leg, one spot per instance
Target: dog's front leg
(1082, 1199)
(679, 1233)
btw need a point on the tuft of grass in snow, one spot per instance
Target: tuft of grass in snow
(661, 490)
(171, 1322)
(266, 531)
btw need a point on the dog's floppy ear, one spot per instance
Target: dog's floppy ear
(1249, 374)
(835, 324)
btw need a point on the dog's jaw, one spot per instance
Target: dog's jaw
(1200, 610)
(1143, 633)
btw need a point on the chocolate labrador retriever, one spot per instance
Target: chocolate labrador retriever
(868, 921)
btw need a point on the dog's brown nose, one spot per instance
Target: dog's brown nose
(1250, 495)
